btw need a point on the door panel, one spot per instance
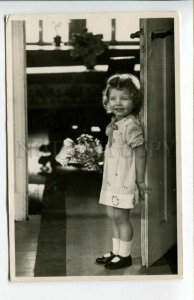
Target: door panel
(158, 224)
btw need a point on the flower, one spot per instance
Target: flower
(68, 142)
(87, 45)
(88, 152)
(99, 149)
(80, 148)
(66, 152)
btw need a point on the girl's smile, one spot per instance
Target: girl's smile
(120, 102)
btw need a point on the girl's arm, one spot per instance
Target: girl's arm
(140, 164)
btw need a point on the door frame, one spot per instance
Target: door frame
(17, 148)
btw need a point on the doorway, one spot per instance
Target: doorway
(50, 90)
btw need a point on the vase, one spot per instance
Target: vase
(90, 61)
(57, 40)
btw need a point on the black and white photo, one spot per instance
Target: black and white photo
(93, 131)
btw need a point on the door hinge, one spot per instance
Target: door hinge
(161, 34)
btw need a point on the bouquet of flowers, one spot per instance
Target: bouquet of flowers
(87, 152)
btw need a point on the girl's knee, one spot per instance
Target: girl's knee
(122, 216)
(110, 213)
(119, 219)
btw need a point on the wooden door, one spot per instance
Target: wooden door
(158, 211)
(17, 118)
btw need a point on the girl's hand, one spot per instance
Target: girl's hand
(143, 189)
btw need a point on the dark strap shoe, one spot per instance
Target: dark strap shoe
(103, 260)
(121, 263)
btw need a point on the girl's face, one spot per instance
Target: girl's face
(120, 102)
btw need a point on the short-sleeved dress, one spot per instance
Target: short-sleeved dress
(119, 176)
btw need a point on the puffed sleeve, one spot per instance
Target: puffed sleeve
(134, 133)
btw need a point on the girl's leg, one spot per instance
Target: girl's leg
(115, 238)
(110, 211)
(124, 225)
(115, 230)
(125, 231)
(123, 259)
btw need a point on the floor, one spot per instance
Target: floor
(72, 231)
(26, 241)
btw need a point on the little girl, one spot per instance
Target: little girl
(124, 166)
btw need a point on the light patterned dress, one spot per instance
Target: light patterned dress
(118, 185)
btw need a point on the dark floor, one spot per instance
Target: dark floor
(73, 230)
(26, 237)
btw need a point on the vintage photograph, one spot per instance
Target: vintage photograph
(93, 144)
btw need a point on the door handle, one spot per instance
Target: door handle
(160, 34)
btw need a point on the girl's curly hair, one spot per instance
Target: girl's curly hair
(124, 81)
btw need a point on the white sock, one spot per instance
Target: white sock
(115, 247)
(125, 248)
